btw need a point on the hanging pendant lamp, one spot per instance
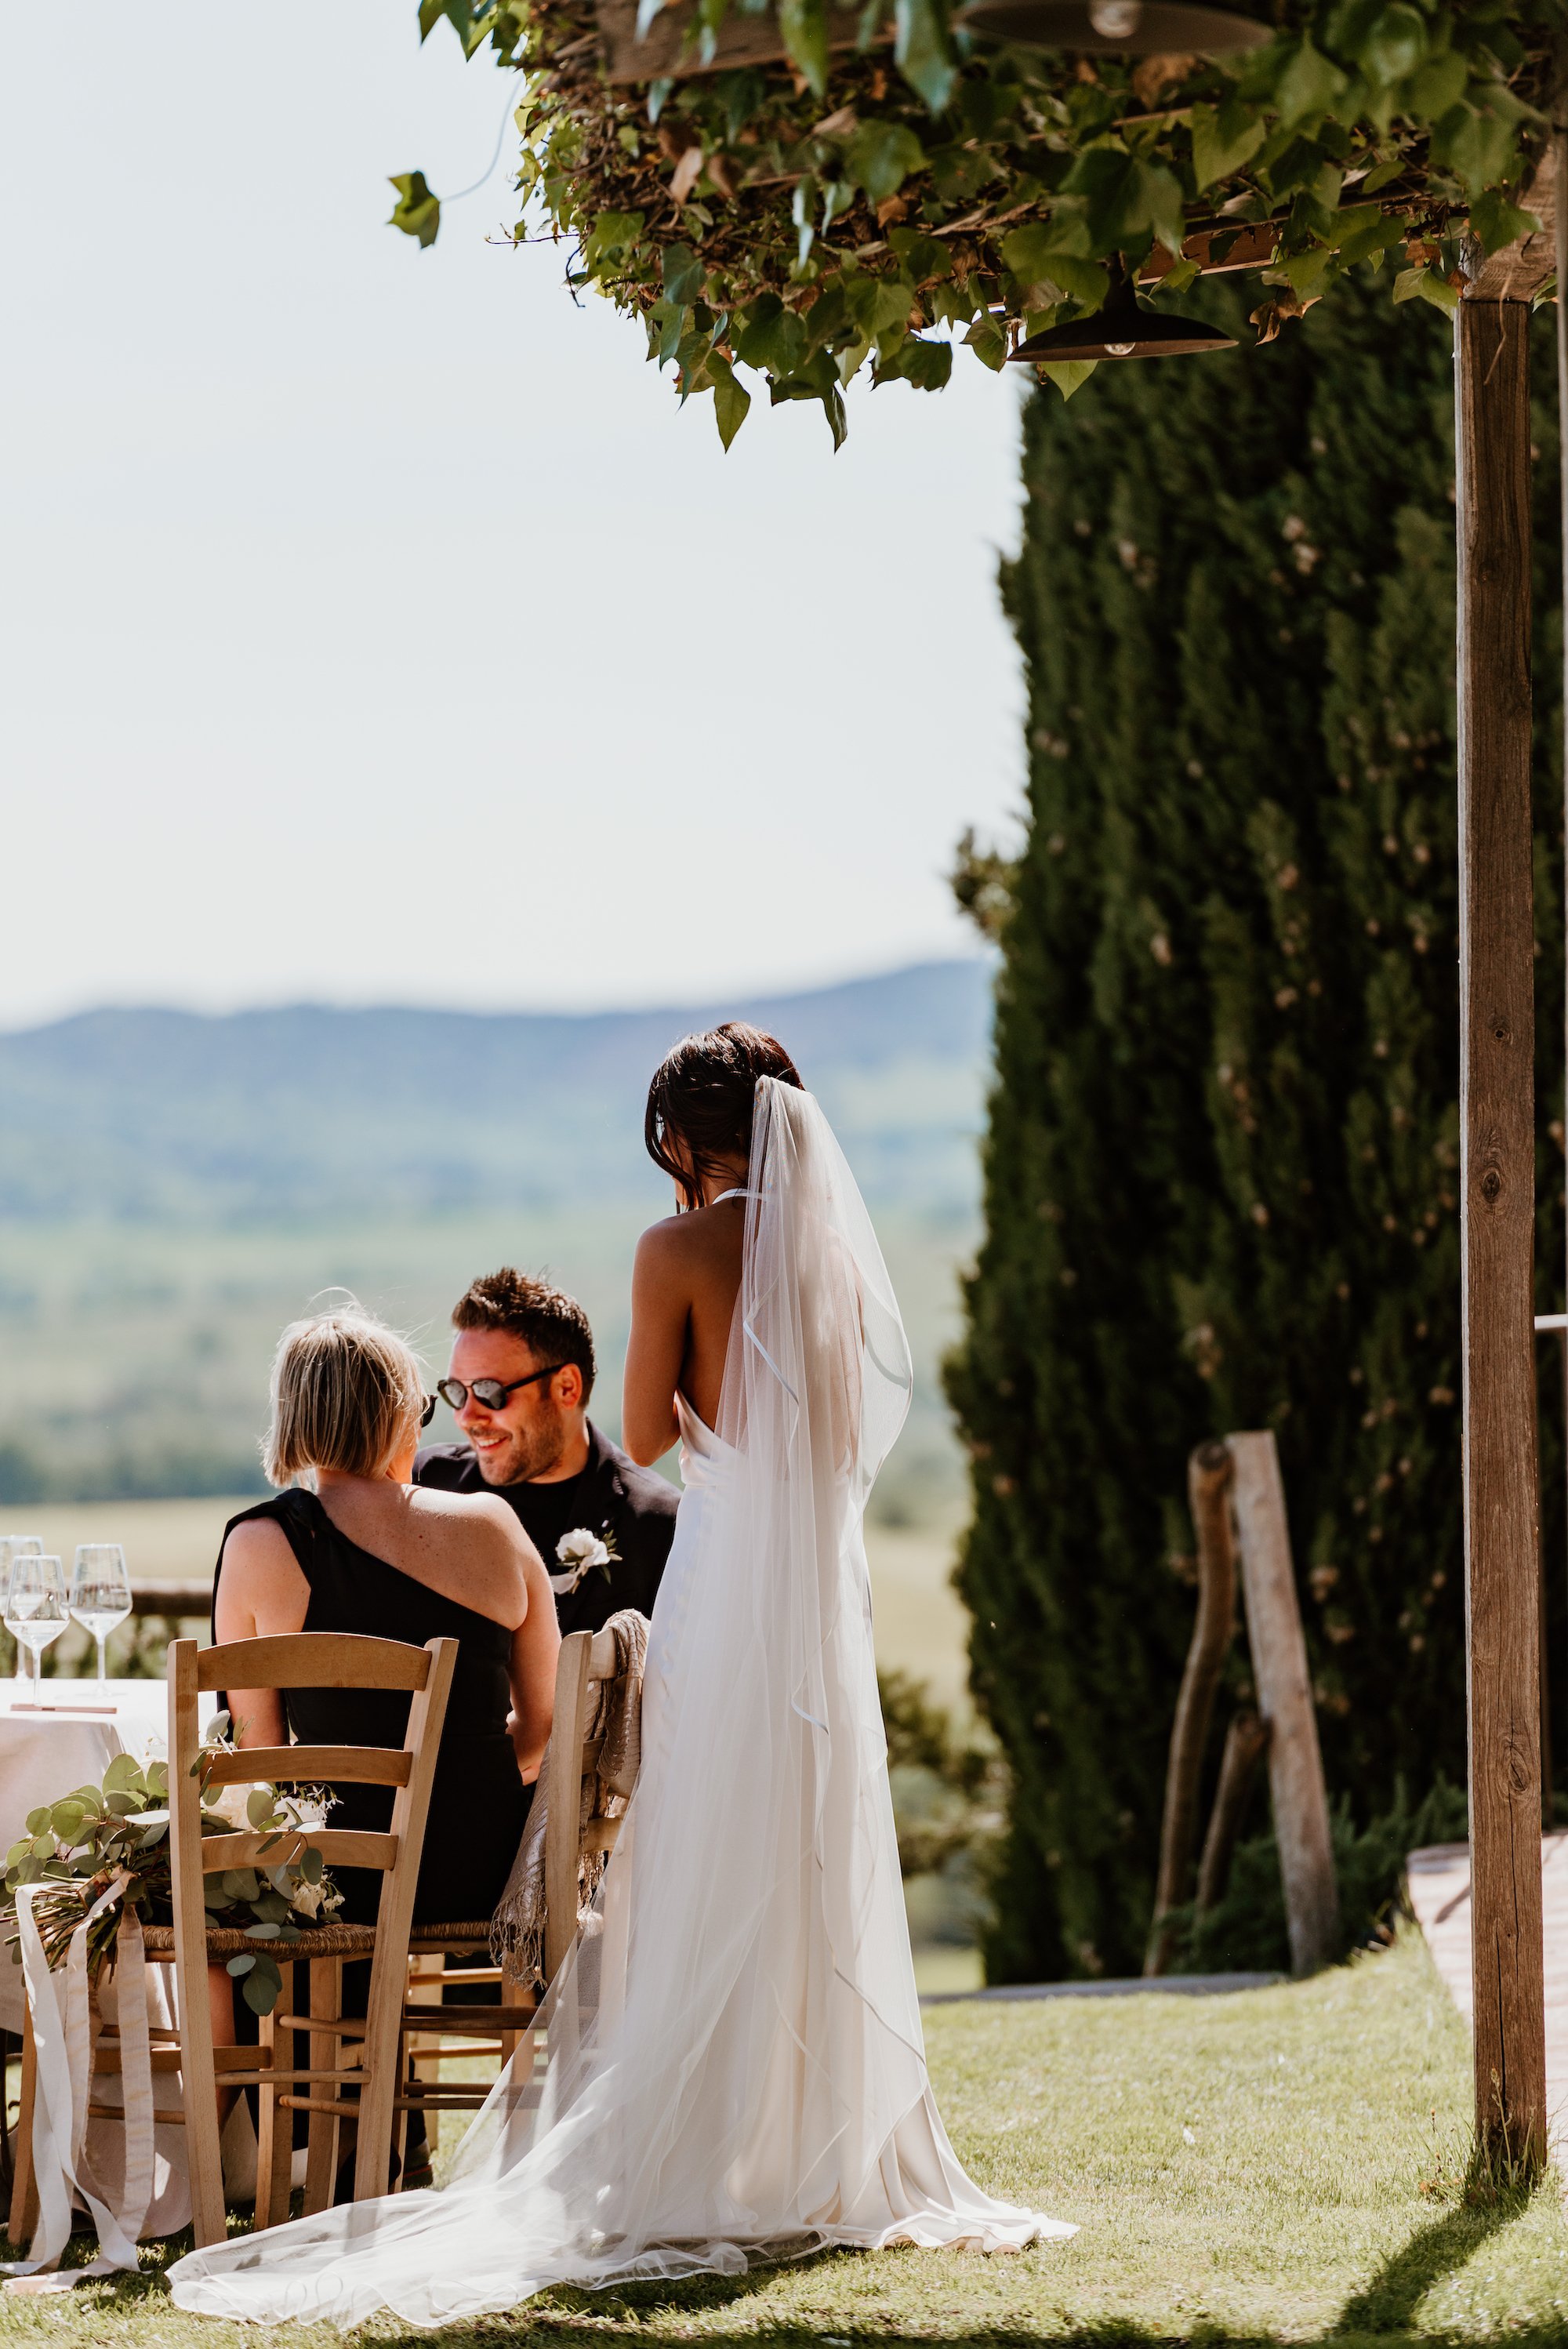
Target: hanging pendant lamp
(1129, 28)
(1123, 328)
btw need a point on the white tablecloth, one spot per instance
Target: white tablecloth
(43, 1755)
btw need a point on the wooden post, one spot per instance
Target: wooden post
(1496, 1111)
(1209, 1496)
(1284, 1699)
(1246, 1742)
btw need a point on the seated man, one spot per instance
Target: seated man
(520, 1376)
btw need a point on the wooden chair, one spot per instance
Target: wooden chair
(432, 2031)
(344, 2051)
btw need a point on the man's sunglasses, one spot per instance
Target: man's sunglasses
(491, 1392)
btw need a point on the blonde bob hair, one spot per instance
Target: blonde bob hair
(346, 1394)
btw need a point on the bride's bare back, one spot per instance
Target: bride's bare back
(685, 1283)
(698, 1128)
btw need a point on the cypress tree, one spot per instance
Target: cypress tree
(1221, 1173)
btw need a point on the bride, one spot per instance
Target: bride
(732, 2068)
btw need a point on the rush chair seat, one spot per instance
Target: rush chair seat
(357, 2053)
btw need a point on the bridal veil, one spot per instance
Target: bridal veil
(730, 2066)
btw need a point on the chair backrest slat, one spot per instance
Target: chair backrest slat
(339, 1847)
(585, 1659)
(312, 1766)
(314, 1660)
(602, 1657)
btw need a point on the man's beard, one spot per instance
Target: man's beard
(527, 1453)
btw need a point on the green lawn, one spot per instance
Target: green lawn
(1251, 2169)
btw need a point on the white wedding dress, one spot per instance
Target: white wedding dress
(730, 2068)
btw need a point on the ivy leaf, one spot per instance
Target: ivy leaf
(877, 303)
(881, 156)
(927, 365)
(1035, 259)
(611, 234)
(1126, 198)
(1364, 232)
(683, 275)
(922, 257)
(692, 367)
(773, 338)
(1395, 43)
(1381, 176)
(1426, 285)
(1309, 84)
(1303, 272)
(1497, 222)
(818, 379)
(953, 305)
(1478, 143)
(988, 343)
(669, 319)
(921, 51)
(1223, 139)
(1154, 196)
(1068, 375)
(853, 358)
(731, 406)
(804, 26)
(470, 24)
(1439, 86)
(417, 212)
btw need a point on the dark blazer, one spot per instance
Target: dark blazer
(612, 1496)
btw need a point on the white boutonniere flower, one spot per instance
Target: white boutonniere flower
(579, 1553)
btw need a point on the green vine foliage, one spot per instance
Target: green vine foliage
(1222, 1163)
(798, 222)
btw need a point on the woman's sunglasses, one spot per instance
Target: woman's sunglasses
(491, 1392)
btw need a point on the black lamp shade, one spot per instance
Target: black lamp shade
(1135, 28)
(1122, 328)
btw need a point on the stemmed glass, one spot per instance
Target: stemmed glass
(12, 1545)
(101, 1592)
(36, 1609)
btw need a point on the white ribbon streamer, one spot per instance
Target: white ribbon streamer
(60, 2008)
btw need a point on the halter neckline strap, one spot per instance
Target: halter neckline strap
(739, 1192)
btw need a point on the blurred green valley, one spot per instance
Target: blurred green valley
(174, 1187)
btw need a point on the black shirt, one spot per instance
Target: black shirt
(479, 1805)
(632, 1509)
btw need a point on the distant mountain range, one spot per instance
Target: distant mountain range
(157, 1117)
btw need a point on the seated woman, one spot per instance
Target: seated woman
(367, 1551)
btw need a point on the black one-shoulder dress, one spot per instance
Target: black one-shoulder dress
(478, 1802)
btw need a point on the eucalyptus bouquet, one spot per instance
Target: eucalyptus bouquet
(97, 1836)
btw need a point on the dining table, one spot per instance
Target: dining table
(67, 1740)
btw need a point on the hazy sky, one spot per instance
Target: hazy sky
(375, 624)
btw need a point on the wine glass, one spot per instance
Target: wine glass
(11, 1546)
(101, 1592)
(36, 1609)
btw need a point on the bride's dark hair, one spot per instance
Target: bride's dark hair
(704, 1094)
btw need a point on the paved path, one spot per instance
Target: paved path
(1440, 1894)
(1180, 1985)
